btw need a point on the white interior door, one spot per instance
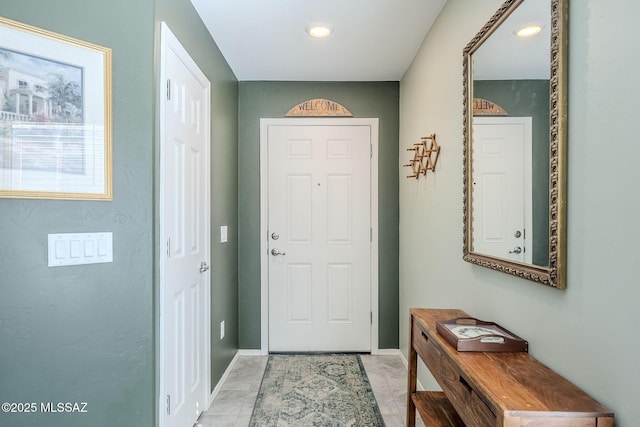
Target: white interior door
(319, 237)
(184, 230)
(502, 187)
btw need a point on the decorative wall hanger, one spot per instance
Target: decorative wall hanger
(425, 156)
(318, 108)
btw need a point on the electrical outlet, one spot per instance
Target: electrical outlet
(222, 329)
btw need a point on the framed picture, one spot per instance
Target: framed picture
(55, 115)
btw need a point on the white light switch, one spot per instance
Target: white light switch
(60, 249)
(89, 248)
(75, 248)
(80, 248)
(223, 234)
(104, 246)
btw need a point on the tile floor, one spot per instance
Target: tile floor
(234, 403)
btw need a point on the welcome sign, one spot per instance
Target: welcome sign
(318, 108)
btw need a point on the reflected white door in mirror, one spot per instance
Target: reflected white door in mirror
(502, 181)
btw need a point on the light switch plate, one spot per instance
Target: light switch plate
(80, 248)
(223, 234)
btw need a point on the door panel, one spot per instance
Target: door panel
(299, 292)
(340, 292)
(339, 209)
(319, 206)
(299, 212)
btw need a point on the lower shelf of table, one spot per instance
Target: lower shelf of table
(435, 409)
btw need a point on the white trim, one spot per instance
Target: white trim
(388, 352)
(404, 360)
(374, 126)
(169, 41)
(419, 386)
(264, 204)
(264, 265)
(251, 353)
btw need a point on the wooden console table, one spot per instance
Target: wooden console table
(490, 389)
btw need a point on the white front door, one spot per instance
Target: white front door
(502, 187)
(319, 237)
(184, 231)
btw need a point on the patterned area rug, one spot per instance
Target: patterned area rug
(315, 390)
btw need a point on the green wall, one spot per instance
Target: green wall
(528, 98)
(88, 333)
(271, 100)
(85, 333)
(186, 25)
(586, 332)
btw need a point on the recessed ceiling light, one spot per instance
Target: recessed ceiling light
(319, 30)
(528, 31)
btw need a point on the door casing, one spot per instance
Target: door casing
(264, 211)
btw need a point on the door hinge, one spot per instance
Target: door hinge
(168, 404)
(168, 90)
(169, 247)
(371, 234)
(371, 151)
(371, 317)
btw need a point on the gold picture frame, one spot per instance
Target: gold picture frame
(55, 115)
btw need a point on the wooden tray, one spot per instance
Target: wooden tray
(469, 334)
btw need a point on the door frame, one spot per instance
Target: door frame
(264, 216)
(169, 41)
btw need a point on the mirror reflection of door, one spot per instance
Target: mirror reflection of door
(502, 187)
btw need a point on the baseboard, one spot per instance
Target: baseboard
(387, 352)
(404, 360)
(406, 365)
(378, 352)
(251, 353)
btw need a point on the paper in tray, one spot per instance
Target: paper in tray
(469, 334)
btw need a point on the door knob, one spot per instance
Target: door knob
(276, 252)
(203, 267)
(516, 250)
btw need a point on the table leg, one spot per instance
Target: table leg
(412, 378)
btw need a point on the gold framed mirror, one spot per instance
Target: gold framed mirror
(515, 142)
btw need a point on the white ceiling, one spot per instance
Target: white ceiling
(373, 40)
(505, 56)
